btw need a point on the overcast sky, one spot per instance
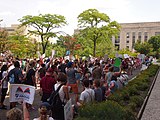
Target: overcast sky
(123, 11)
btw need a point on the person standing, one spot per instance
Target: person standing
(58, 109)
(46, 85)
(4, 86)
(18, 77)
(71, 79)
(30, 78)
(30, 75)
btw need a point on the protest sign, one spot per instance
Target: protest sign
(105, 58)
(68, 112)
(126, 56)
(117, 62)
(21, 92)
(53, 53)
(116, 55)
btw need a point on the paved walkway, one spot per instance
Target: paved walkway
(152, 109)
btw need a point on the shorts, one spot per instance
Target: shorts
(74, 88)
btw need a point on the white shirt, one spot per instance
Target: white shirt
(87, 95)
(5, 82)
(61, 92)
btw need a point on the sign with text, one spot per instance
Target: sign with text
(21, 92)
(68, 112)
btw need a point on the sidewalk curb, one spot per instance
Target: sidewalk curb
(147, 97)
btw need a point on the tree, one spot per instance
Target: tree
(22, 45)
(3, 40)
(155, 42)
(43, 26)
(143, 48)
(96, 27)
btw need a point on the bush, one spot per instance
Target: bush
(108, 110)
(125, 103)
(138, 100)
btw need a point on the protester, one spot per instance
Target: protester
(87, 96)
(58, 112)
(46, 85)
(71, 79)
(14, 114)
(4, 86)
(16, 75)
(98, 91)
(44, 112)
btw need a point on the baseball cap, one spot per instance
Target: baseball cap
(45, 104)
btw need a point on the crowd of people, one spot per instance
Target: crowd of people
(98, 77)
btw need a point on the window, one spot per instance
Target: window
(145, 36)
(117, 40)
(157, 33)
(139, 36)
(117, 46)
(127, 35)
(127, 38)
(133, 39)
(127, 46)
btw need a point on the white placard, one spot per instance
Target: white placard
(105, 58)
(53, 53)
(21, 92)
(126, 56)
(43, 56)
(68, 111)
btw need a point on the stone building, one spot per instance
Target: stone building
(131, 32)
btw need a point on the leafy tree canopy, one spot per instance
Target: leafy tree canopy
(46, 26)
(97, 27)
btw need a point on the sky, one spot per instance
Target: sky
(122, 11)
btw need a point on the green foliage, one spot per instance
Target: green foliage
(96, 27)
(138, 100)
(155, 42)
(3, 40)
(127, 51)
(43, 26)
(143, 48)
(103, 111)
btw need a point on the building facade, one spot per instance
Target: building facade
(131, 32)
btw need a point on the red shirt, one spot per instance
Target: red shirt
(47, 84)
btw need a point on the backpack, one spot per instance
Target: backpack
(57, 106)
(0, 75)
(12, 77)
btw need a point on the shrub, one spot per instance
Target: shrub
(108, 110)
(138, 100)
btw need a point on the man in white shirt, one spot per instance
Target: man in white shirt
(87, 96)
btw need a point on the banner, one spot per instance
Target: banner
(68, 111)
(21, 92)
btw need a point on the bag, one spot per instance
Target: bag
(0, 76)
(57, 106)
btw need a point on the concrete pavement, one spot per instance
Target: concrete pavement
(152, 109)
